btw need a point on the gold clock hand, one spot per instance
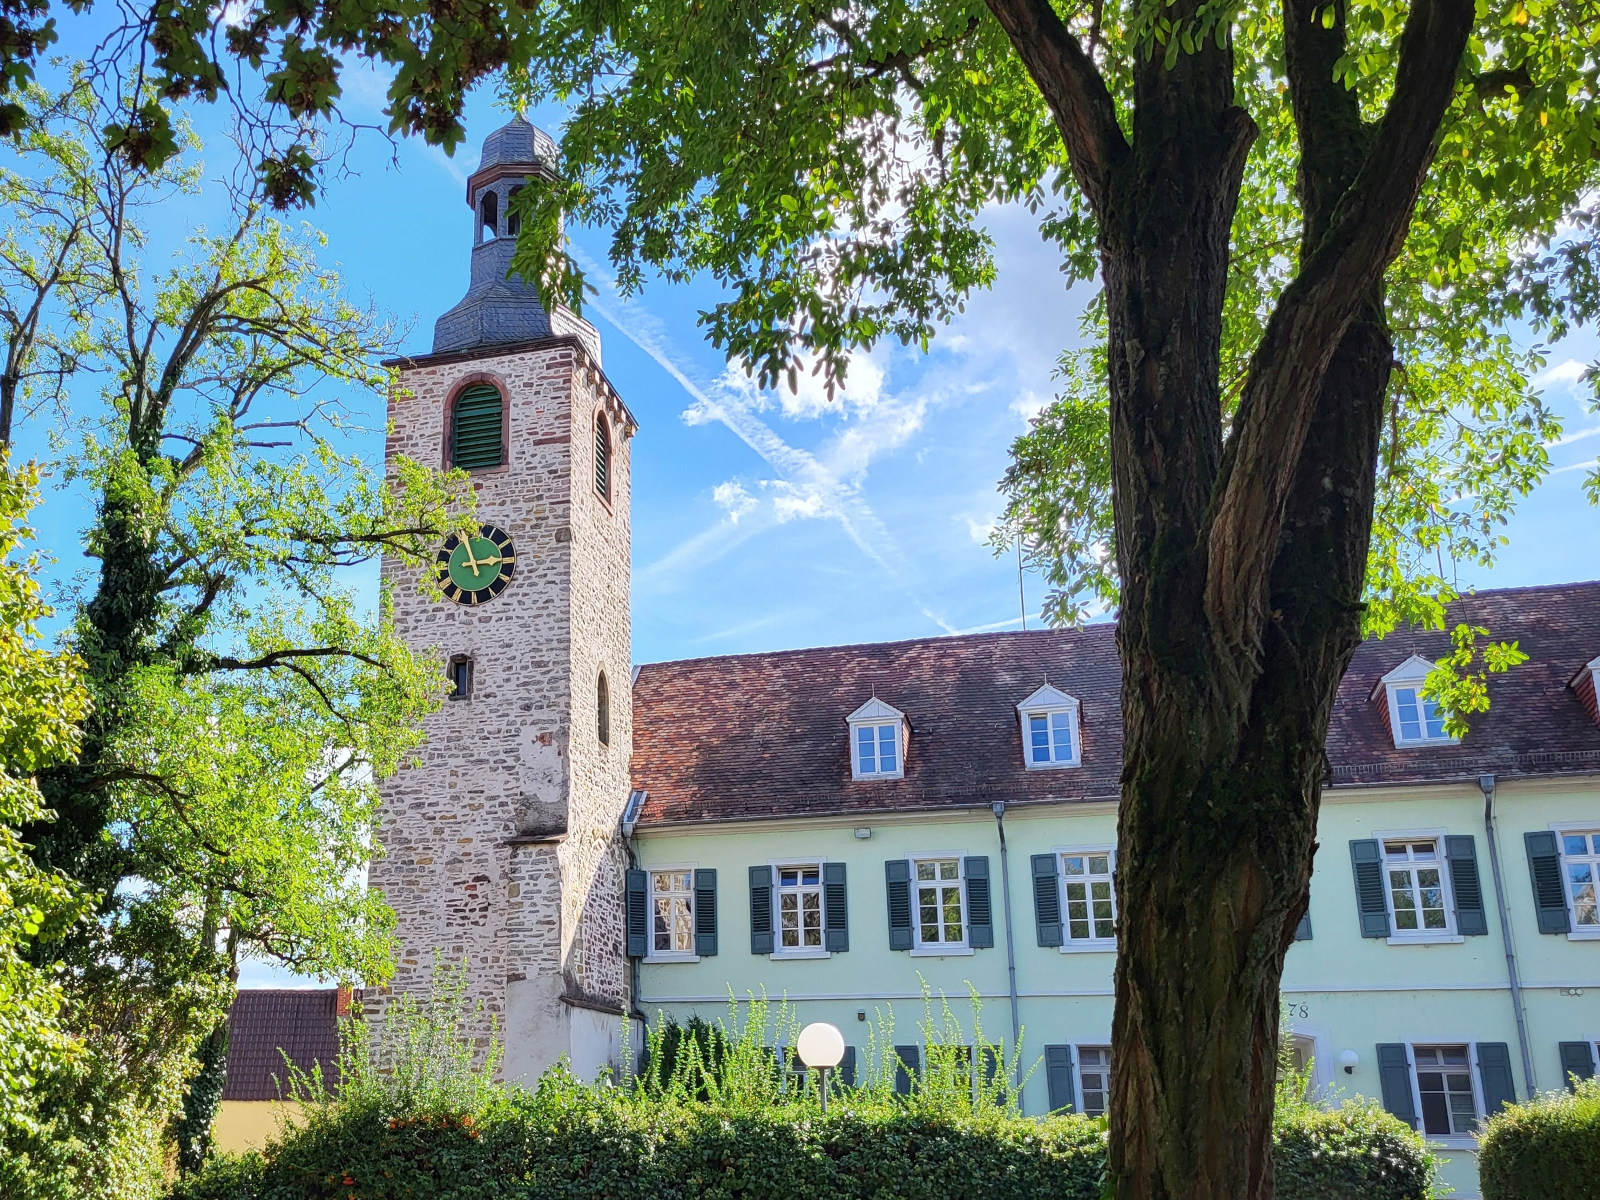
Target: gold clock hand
(471, 562)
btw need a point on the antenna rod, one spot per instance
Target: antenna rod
(1022, 596)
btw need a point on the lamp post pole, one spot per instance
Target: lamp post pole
(822, 1088)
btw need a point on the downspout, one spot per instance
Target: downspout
(999, 810)
(1486, 784)
(630, 816)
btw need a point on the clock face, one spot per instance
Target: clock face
(478, 568)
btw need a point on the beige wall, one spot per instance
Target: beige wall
(250, 1124)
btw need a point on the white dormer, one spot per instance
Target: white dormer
(1413, 719)
(877, 741)
(1050, 730)
(1587, 684)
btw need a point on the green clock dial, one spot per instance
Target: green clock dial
(478, 568)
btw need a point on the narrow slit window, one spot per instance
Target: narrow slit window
(489, 216)
(602, 457)
(513, 219)
(603, 710)
(459, 673)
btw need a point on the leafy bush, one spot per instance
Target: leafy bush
(1547, 1148)
(717, 1116)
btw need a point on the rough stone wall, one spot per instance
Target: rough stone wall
(593, 857)
(506, 761)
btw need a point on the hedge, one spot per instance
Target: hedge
(1545, 1149)
(583, 1143)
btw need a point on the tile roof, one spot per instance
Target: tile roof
(267, 1023)
(753, 736)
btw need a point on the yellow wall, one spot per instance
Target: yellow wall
(250, 1124)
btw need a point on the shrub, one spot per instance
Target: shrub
(714, 1116)
(1547, 1148)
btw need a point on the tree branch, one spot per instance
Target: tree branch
(1365, 233)
(1074, 89)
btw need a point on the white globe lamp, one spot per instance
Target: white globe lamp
(821, 1047)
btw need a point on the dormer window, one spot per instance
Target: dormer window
(1050, 730)
(1414, 719)
(1586, 683)
(877, 741)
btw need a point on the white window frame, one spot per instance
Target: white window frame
(778, 865)
(1411, 674)
(667, 956)
(1447, 936)
(1449, 1141)
(875, 714)
(1047, 702)
(1077, 1073)
(1090, 945)
(1588, 933)
(919, 948)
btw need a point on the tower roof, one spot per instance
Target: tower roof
(516, 148)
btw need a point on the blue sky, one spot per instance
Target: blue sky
(777, 520)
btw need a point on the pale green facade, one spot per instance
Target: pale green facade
(1342, 991)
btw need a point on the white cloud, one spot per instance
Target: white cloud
(734, 499)
(1568, 372)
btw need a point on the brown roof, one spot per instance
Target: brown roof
(267, 1023)
(764, 735)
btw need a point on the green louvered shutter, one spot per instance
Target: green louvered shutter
(477, 434)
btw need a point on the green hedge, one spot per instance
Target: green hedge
(1544, 1150)
(612, 1144)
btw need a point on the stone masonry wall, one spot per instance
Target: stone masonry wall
(510, 760)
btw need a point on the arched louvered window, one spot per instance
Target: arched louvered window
(490, 210)
(603, 710)
(477, 432)
(602, 456)
(513, 221)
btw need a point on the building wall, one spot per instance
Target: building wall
(242, 1125)
(500, 846)
(1341, 991)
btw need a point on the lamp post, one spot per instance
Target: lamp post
(821, 1046)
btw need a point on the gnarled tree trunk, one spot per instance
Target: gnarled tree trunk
(1242, 559)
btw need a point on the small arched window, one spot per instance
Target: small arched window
(513, 219)
(477, 430)
(489, 211)
(602, 710)
(602, 456)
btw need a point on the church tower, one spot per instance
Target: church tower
(502, 848)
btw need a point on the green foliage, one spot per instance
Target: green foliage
(1546, 1149)
(40, 703)
(201, 1100)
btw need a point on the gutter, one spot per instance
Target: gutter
(999, 810)
(1486, 784)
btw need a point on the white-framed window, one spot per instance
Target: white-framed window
(1416, 883)
(1050, 735)
(1094, 1080)
(1088, 898)
(1414, 719)
(1447, 1096)
(877, 741)
(672, 913)
(800, 923)
(938, 903)
(1580, 875)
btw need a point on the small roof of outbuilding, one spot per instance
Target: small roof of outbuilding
(265, 1024)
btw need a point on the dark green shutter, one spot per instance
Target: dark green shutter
(1394, 1078)
(705, 912)
(761, 910)
(1047, 899)
(1302, 931)
(991, 1058)
(1058, 1078)
(1366, 856)
(1494, 1076)
(847, 1067)
(638, 889)
(477, 428)
(907, 1061)
(1577, 1062)
(980, 921)
(1544, 867)
(897, 878)
(1461, 853)
(835, 909)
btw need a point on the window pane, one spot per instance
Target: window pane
(868, 762)
(947, 869)
(925, 870)
(1094, 1074)
(1435, 719)
(1072, 864)
(1575, 843)
(1061, 727)
(888, 751)
(1039, 738)
(1410, 721)
(952, 914)
(1405, 905)
(1099, 864)
(928, 913)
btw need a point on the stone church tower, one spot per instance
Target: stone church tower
(503, 847)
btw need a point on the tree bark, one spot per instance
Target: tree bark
(1242, 561)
